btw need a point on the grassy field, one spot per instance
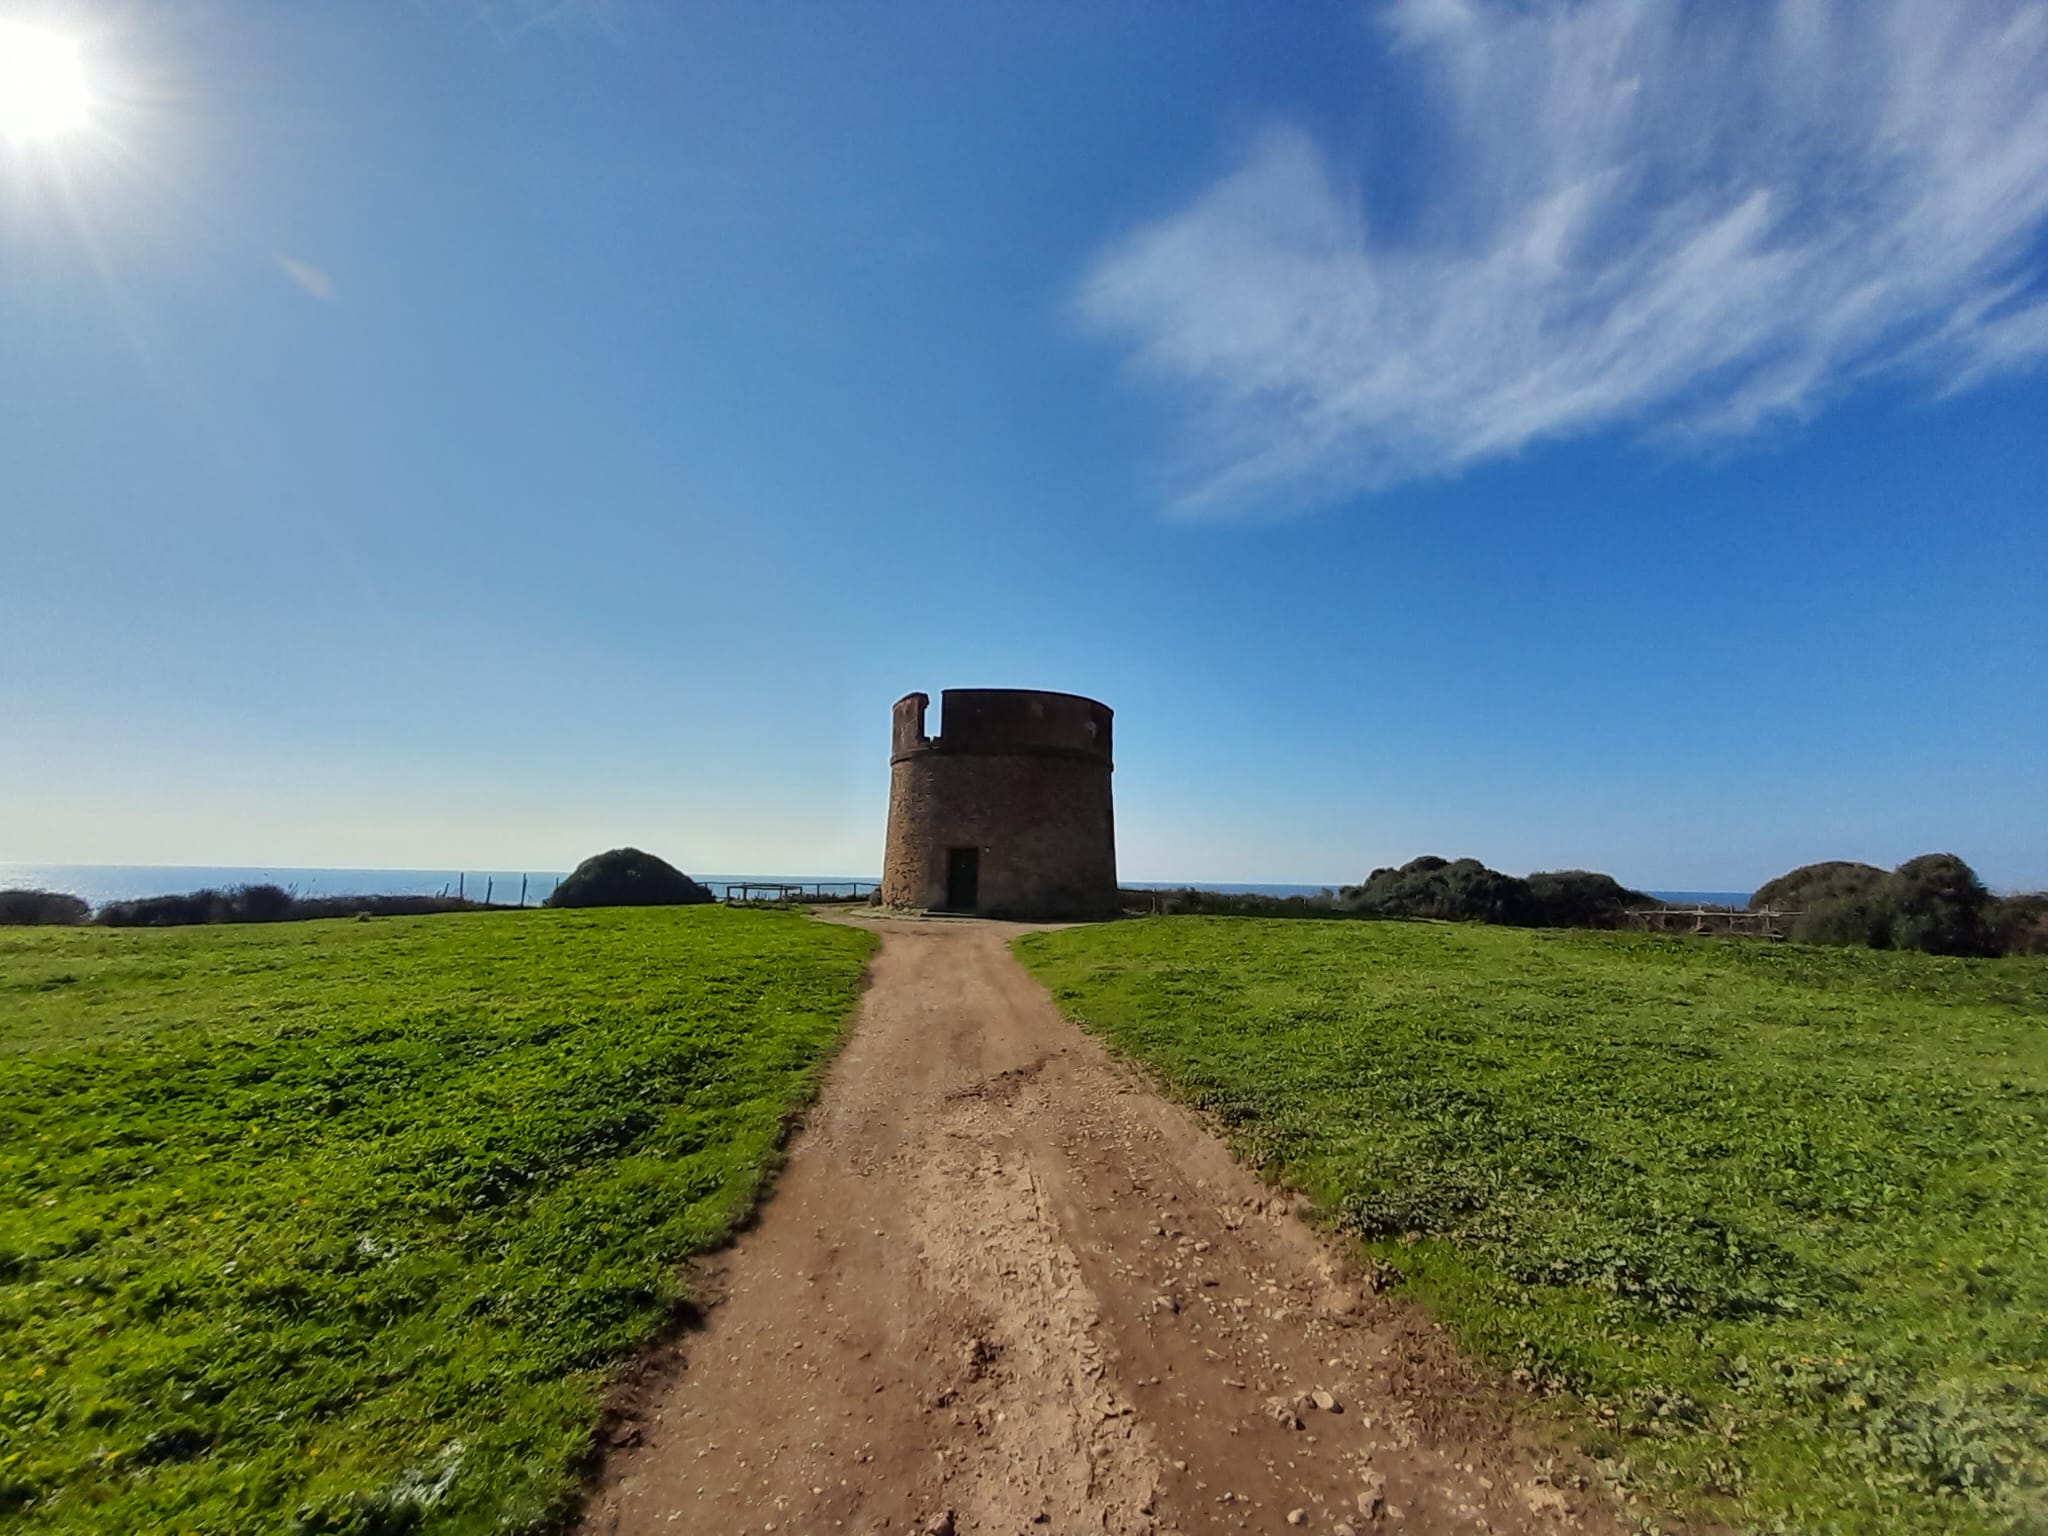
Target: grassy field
(335, 1226)
(1779, 1214)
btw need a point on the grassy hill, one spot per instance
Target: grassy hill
(1777, 1214)
(337, 1226)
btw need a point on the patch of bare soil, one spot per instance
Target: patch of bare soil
(1003, 1287)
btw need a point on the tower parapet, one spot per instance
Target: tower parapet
(1013, 720)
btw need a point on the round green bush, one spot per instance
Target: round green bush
(1832, 880)
(1938, 905)
(1460, 889)
(626, 877)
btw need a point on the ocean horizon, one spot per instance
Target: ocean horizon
(102, 883)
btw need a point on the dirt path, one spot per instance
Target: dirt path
(1002, 1279)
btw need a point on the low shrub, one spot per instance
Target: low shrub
(2019, 923)
(1581, 898)
(1851, 917)
(1187, 900)
(1458, 889)
(179, 911)
(1937, 905)
(626, 877)
(267, 904)
(1466, 890)
(235, 904)
(30, 909)
(1934, 903)
(1813, 884)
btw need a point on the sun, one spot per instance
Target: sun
(42, 84)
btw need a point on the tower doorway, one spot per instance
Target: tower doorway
(963, 879)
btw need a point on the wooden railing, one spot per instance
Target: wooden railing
(1769, 923)
(778, 893)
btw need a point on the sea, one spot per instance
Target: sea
(102, 883)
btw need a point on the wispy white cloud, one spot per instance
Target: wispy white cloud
(510, 20)
(315, 282)
(1696, 221)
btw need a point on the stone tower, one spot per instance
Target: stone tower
(1008, 811)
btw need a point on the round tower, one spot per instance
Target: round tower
(1006, 811)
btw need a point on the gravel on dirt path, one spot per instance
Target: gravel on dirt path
(1003, 1287)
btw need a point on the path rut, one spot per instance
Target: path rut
(1002, 1284)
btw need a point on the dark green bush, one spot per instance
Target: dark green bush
(1811, 884)
(261, 904)
(237, 904)
(179, 911)
(1428, 887)
(1936, 904)
(1463, 890)
(1581, 898)
(1838, 901)
(626, 877)
(2019, 923)
(1852, 918)
(266, 904)
(1466, 890)
(36, 908)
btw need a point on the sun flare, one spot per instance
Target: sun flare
(42, 84)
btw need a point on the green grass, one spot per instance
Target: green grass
(1777, 1214)
(337, 1226)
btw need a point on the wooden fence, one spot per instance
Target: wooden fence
(1766, 924)
(777, 893)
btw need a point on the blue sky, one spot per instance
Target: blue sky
(441, 434)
